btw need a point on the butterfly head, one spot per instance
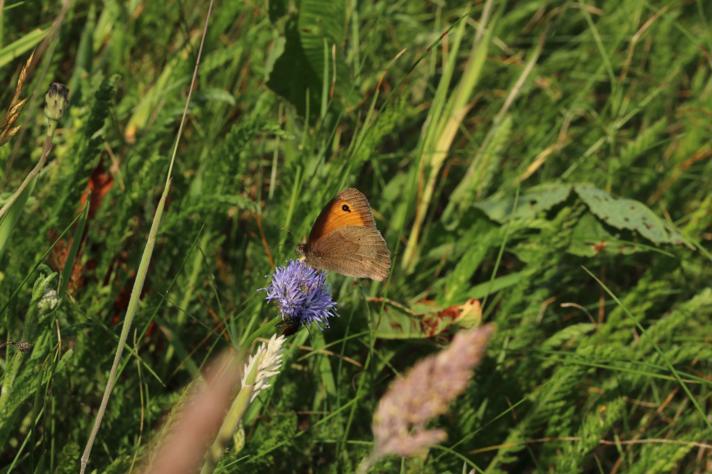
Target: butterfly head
(302, 249)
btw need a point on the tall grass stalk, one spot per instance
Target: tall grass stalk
(144, 263)
(468, 186)
(443, 125)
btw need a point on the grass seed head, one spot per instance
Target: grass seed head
(267, 360)
(425, 393)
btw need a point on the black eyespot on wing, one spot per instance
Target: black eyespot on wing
(345, 208)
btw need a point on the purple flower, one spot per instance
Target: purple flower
(302, 295)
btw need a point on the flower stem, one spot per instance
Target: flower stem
(265, 329)
(367, 462)
(232, 421)
(46, 149)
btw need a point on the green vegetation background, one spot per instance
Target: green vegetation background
(551, 159)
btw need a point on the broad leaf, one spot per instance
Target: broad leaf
(589, 238)
(627, 214)
(312, 60)
(541, 198)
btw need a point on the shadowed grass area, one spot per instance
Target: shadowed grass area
(545, 166)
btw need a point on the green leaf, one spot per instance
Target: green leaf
(292, 76)
(299, 73)
(218, 95)
(20, 46)
(457, 282)
(321, 24)
(627, 214)
(492, 286)
(152, 100)
(589, 238)
(9, 221)
(76, 242)
(541, 198)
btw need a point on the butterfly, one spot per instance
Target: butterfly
(344, 239)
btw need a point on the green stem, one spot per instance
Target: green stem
(126, 327)
(266, 329)
(46, 149)
(232, 420)
(143, 265)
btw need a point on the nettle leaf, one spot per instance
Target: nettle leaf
(627, 214)
(541, 198)
(313, 57)
(590, 238)
(425, 319)
(320, 21)
(292, 77)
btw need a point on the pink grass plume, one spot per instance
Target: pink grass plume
(425, 392)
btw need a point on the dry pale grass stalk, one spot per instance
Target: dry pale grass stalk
(196, 422)
(8, 129)
(426, 390)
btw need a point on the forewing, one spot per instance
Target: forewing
(349, 209)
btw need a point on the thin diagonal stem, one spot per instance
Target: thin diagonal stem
(143, 265)
(46, 149)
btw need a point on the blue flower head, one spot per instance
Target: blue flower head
(302, 294)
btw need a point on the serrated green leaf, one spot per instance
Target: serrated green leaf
(541, 198)
(321, 25)
(589, 238)
(307, 68)
(626, 214)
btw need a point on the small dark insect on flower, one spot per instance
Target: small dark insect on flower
(302, 295)
(56, 101)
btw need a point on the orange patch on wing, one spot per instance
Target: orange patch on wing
(337, 214)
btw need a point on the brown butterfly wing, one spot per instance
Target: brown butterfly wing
(358, 252)
(345, 239)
